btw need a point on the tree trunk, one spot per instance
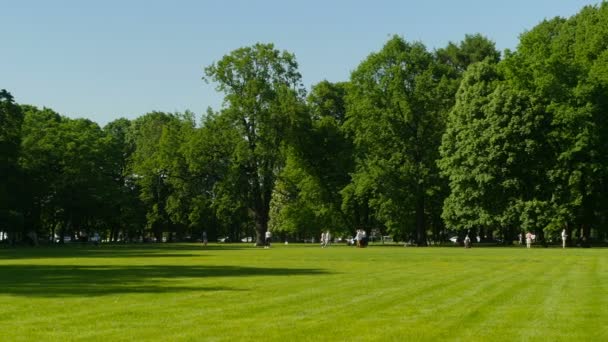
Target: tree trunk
(420, 220)
(65, 226)
(112, 233)
(542, 238)
(585, 235)
(507, 238)
(53, 232)
(261, 226)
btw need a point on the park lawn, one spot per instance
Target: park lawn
(184, 292)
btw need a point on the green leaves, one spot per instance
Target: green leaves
(11, 119)
(263, 102)
(415, 140)
(394, 111)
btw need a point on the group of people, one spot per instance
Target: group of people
(360, 239)
(532, 237)
(529, 239)
(325, 239)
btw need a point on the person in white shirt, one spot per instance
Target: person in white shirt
(268, 238)
(358, 238)
(564, 238)
(528, 240)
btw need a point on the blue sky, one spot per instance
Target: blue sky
(108, 59)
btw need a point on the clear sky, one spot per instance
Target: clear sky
(108, 59)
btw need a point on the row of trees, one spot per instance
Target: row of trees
(418, 144)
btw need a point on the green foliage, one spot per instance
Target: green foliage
(415, 143)
(562, 63)
(159, 167)
(307, 199)
(395, 109)
(263, 102)
(494, 155)
(69, 183)
(474, 48)
(11, 119)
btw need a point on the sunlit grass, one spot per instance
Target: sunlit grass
(296, 292)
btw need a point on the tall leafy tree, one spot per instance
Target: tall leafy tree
(307, 197)
(493, 155)
(562, 62)
(263, 101)
(472, 49)
(41, 164)
(84, 182)
(11, 119)
(395, 108)
(216, 179)
(65, 162)
(125, 208)
(157, 164)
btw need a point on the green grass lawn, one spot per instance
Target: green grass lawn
(296, 293)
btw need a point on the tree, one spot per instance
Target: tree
(394, 111)
(493, 155)
(11, 119)
(65, 166)
(157, 165)
(562, 62)
(263, 101)
(473, 49)
(125, 208)
(40, 162)
(307, 198)
(216, 179)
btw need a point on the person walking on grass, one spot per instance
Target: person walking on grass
(528, 240)
(467, 242)
(521, 239)
(268, 238)
(205, 238)
(564, 237)
(322, 239)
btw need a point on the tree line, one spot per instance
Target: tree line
(417, 144)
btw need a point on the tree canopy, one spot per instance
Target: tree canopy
(417, 144)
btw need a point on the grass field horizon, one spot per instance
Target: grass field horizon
(185, 292)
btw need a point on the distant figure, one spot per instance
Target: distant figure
(478, 238)
(521, 238)
(96, 239)
(361, 238)
(322, 239)
(467, 242)
(327, 238)
(205, 238)
(268, 238)
(528, 240)
(564, 237)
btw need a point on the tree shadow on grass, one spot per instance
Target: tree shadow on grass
(114, 251)
(82, 281)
